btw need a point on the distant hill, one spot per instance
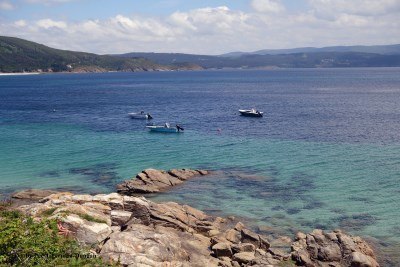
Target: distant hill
(374, 49)
(174, 59)
(18, 55)
(294, 60)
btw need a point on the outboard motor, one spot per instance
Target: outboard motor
(149, 117)
(179, 128)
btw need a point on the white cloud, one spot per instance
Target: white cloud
(20, 23)
(6, 5)
(210, 31)
(330, 8)
(267, 6)
(49, 23)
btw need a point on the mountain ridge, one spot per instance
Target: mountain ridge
(393, 49)
(19, 55)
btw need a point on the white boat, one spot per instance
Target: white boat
(140, 116)
(166, 128)
(251, 112)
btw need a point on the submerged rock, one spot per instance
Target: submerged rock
(153, 181)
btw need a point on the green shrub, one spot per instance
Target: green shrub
(24, 242)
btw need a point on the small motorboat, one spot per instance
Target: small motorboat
(250, 112)
(166, 128)
(140, 116)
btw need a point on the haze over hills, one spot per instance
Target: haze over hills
(18, 55)
(316, 59)
(375, 49)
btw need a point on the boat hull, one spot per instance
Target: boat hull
(139, 116)
(248, 113)
(162, 129)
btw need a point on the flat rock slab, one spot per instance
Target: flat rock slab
(33, 194)
(153, 181)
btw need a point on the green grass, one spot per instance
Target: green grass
(90, 218)
(83, 216)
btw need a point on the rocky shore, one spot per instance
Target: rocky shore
(127, 228)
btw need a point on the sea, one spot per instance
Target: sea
(325, 155)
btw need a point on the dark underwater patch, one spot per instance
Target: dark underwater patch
(102, 173)
(316, 224)
(361, 199)
(338, 211)
(355, 222)
(277, 208)
(292, 211)
(50, 174)
(313, 204)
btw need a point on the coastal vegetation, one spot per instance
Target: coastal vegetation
(28, 242)
(18, 55)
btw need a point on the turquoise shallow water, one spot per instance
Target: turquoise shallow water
(314, 184)
(326, 155)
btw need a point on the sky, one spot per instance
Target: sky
(200, 26)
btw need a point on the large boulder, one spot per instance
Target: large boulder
(334, 249)
(222, 250)
(244, 257)
(153, 181)
(86, 232)
(141, 244)
(257, 240)
(359, 259)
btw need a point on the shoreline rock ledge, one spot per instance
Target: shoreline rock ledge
(137, 232)
(153, 181)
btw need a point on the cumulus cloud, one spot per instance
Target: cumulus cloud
(20, 23)
(5, 5)
(330, 8)
(267, 6)
(210, 30)
(49, 23)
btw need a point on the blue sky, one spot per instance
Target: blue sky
(101, 9)
(207, 26)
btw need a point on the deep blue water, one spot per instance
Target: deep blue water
(326, 154)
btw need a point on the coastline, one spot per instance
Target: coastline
(268, 68)
(120, 220)
(18, 73)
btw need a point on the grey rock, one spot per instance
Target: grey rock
(153, 181)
